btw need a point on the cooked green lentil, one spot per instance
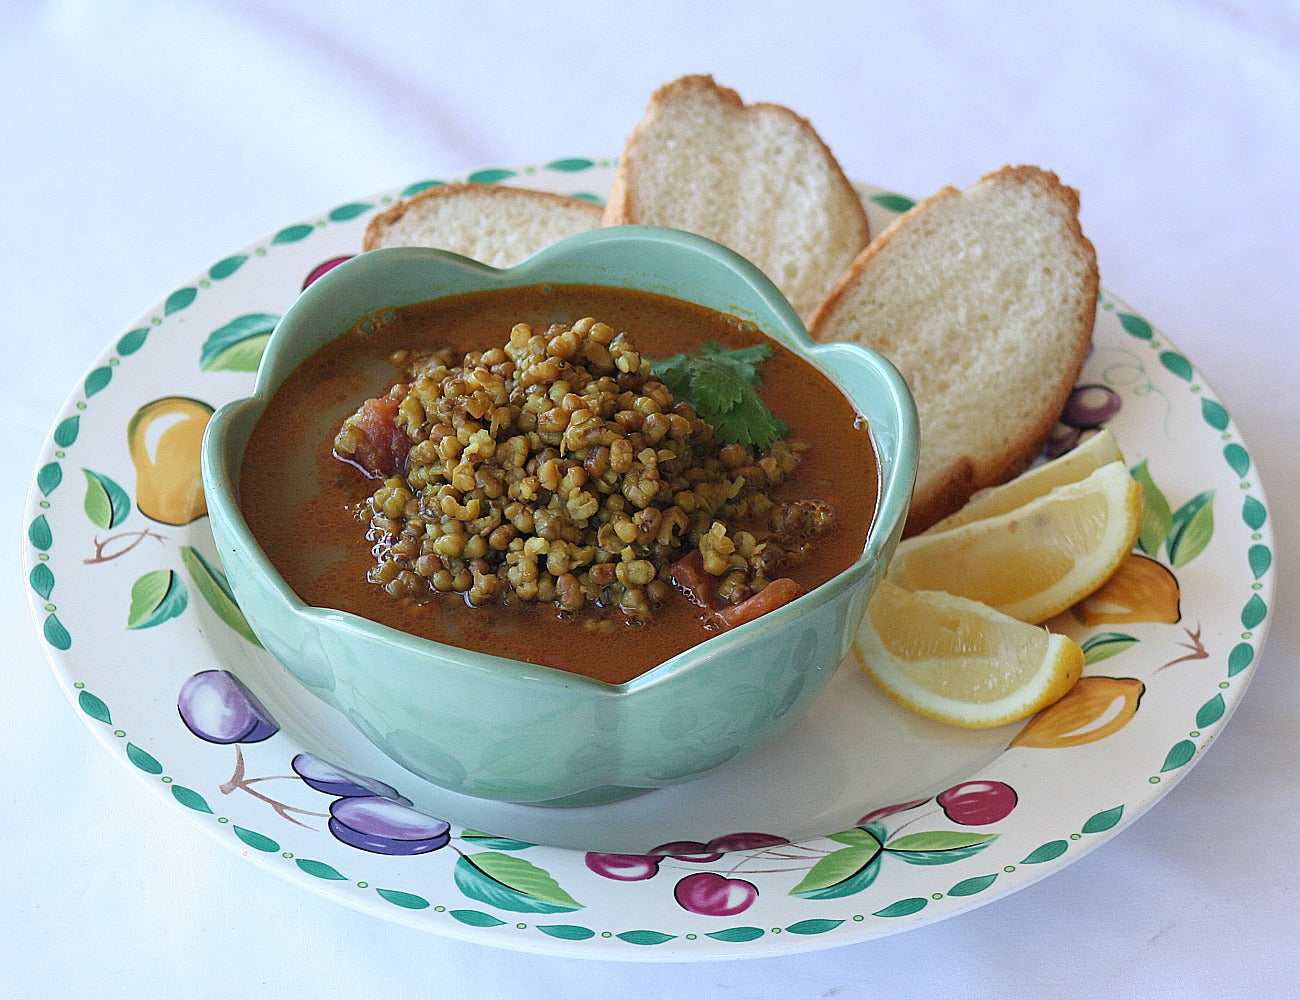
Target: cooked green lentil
(555, 468)
(311, 512)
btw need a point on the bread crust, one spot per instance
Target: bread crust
(949, 490)
(545, 200)
(623, 206)
(618, 206)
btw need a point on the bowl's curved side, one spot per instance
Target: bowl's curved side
(495, 728)
(468, 721)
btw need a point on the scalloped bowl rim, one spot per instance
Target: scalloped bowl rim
(894, 484)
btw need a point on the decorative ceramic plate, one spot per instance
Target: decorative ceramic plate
(862, 820)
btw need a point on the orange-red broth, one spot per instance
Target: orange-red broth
(301, 502)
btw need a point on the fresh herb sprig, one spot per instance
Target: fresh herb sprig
(722, 384)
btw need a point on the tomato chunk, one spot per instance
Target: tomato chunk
(689, 577)
(383, 447)
(775, 595)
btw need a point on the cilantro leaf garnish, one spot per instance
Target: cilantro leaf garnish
(722, 384)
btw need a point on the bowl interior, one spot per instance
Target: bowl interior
(664, 261)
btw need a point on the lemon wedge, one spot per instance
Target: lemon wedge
(1086, 458)
(959, 661)
(1037, 559)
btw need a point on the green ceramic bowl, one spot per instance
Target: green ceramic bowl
(501, 729)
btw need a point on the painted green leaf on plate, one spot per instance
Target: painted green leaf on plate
(94, 707)
(939, 847)
(1104, 645)
(841, 873)
(1190, 529)
(97, 380)
(893, 202)
(39, 534)
(190, 799)
(156, 597)
(571, 165)
(319, 869)
(860, 836)
(1254, 612)
(142, 759)
(255, 840)
(491, 176)
(1156, 516)
(903, 908)
(970, 886)
(476, 918)
(1180, 754)
(180, 299)
(1103, 820)
(227, 266)
(1215, 415)
(211, 583)
(1260, 559)
(292, 234)
(1240, 658)
(1253, 513)
(492, 842)
(1177, 364)
(1135, 326)
(65, 435)
(1211, 712)
(132, 341)
(510, 882)
(736, 935)
(1050, 851)
(41, 579)
(55, 634)
(238, 346)
(106, 504)
(645, 937)
(567, 932)
(419, 186)
(349, 211)
(49, 478)
(1237, 458)
(406, 900)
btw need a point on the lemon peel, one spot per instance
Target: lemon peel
(1084, 459)
(1036, 560)
(959, 661)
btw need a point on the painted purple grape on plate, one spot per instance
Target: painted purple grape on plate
(1090, 406)
(334, 780)
(217, 707)
(380, 825)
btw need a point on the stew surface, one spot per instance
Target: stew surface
(313, 513)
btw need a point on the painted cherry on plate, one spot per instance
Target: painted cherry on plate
(978, 803)
(712, 895)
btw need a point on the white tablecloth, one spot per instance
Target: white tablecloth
(142, 142)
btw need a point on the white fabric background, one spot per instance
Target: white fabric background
(141, 142)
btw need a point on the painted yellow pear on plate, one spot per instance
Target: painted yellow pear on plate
(1096, 707)
(1142, 590)
(165, 439)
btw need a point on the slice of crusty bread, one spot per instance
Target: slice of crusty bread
(756, 178)
(984, 299)
(496, 224)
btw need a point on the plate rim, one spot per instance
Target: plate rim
(605, 945)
